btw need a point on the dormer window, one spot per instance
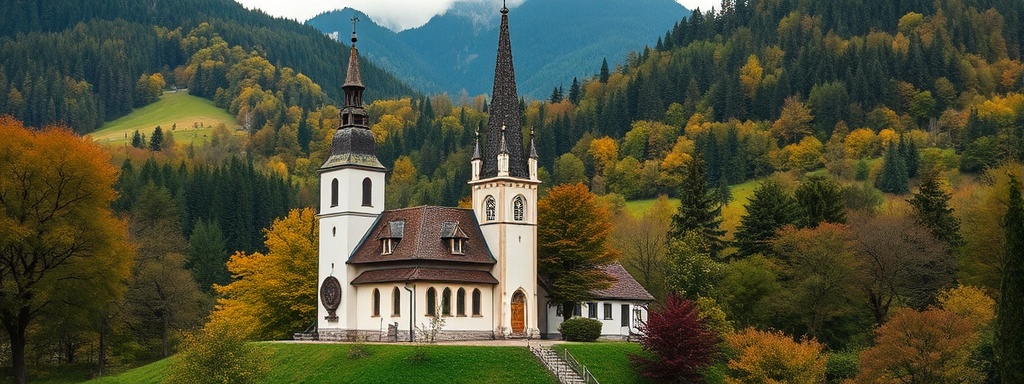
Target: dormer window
(388, 246)
(456, 246)
(390, 236)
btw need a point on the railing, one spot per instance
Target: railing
(580, 369)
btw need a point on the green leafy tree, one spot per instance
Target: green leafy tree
(692, 272)
(156, 141)
(771, 208)
(219, 354)
(1010, 313)
(573, 245)
(700, 209)
(207, 255)
(932, 211)
(894, 177)
(820, 200)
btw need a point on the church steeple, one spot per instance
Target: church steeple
(504, 111)
(353, 142)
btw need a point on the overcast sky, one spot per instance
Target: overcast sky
(396, 14)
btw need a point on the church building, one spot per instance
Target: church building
(385, 273)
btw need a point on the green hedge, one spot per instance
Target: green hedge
(580, 329)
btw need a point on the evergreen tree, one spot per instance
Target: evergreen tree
(699, 208)
(862, 171)
(207, 256)
(771, 208)
(137, 140)
(556, 95)
(931, 206)
(603, 77)
(912, 158)
(574, 92)
(893, 178)
(1010, 313)
(156, 142)
(820, 200)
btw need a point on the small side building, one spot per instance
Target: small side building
(620, 308)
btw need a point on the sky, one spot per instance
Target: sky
(394, 14)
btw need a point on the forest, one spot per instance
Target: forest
(882, 142)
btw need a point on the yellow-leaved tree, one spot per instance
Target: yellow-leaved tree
(274, 293)
(773, 357)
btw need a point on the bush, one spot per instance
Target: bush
(580, 329)
(678, 343)
(218, 354)
(841, 366)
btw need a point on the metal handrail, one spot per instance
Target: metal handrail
(580, 369)
(572, 367)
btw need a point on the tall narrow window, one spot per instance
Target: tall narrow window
(446, 302)
(607, 311)
(376, 302)
(490, 208)
(460, 302)
(396, 302)
(592, 310)
(334, 193)
(476, 302)
(625, 315)
(431, 302)
(517, 208)
(367, 192)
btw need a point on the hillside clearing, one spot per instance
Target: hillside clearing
(731, 213)
(175, 111)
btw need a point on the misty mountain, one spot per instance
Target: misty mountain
(552, 41)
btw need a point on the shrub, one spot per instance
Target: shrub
(580, 329)
(218, 354)
(680, 343)
(841, 366)
(773, 357)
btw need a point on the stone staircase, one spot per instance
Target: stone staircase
(563, 365)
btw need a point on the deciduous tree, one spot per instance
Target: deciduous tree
(60, 241)
(681, 343)
(573, 243)
(643, 243)
(773, 357)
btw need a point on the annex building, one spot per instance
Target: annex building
(382, 273)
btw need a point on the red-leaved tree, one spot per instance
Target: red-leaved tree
(679, 343)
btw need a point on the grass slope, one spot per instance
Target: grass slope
(392, 364)
(607, 361)
(731, 213)
(173, 108)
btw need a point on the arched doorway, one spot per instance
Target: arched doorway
(518, 312)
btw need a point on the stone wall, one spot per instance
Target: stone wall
(402, 336)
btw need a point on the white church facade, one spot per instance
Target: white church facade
(384, 273)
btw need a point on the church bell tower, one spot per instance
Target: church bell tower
(504, 183)
(351, 199)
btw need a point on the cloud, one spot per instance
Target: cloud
(394, 14)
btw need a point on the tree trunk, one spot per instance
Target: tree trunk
(567, 309)
(101, 360)
(16, 324)
(163, 336)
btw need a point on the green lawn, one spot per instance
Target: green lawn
(173, 109)
(730, 213)
(608, 361)
(392, 364)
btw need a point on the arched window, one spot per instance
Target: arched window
(396, 302)
(334, 193)
(490, 208)
(431, 302)
(476, 302)
(446, 302)
(518, 208)
(460, 302)
(367, 192)
(376, 302)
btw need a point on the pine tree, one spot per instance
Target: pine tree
(771, 208)
(1010, 313)
(603, 77)
(699, 208)
(912, 158)
(574, 92)
(820, 200)
(893, 178)
(156, 141)
(207, 256)
(931, 206)
(137, 141)
(556, 95)
(862, 171)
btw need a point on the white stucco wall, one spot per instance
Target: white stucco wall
(362, 310)
(611, 328)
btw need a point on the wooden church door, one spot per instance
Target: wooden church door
(518, 312)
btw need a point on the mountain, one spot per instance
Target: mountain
(70, 61)
(553, 41)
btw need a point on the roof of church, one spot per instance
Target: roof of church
(423, 234)
(424, 274)
(625, 286)
(504, 113)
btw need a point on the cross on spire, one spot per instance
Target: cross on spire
(354, 21)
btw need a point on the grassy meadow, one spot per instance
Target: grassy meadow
(730, 213)
(174, 109)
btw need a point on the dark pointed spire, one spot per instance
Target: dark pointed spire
(504, 148)
(504, 111)
(476, 147)
(533, 147)
(353, 143)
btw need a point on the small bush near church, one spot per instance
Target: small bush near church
(580, 329)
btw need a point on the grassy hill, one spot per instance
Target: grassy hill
(393, 364)
(174, 109)
(730, 213)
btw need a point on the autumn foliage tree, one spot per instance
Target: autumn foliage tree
(60, 244)
(773, 357)
(273, 293)
(680, 342)
(573, 243)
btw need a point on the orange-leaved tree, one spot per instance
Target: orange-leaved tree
(274, 293)
(774, 357)
(573, 244)
(62, 251)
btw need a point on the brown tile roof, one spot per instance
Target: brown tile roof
(624, 288)
(423, 232)
(447, 275)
